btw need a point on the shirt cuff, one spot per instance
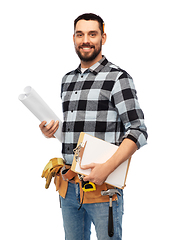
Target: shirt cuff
(139, 138)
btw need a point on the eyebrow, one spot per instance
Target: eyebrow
(93, 31)
(78, 31)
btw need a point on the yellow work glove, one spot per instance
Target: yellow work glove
(51, 169)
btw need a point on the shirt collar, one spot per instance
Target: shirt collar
(96, 68)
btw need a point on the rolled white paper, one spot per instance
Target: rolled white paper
(40, 109)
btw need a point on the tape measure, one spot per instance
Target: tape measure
(88, 186)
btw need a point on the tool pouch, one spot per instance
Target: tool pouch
(95, 196)
(85, 197)
(61, 185)
(61, 180)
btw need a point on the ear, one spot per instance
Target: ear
(73, 38)
(104, 37)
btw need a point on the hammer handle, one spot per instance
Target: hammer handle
(110, 222)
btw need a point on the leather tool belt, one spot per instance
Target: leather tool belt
(63, 174)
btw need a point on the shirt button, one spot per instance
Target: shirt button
(71, 110)
(75, 92)
(81, 76)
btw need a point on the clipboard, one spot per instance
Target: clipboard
(94, 150)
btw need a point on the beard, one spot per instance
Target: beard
(86, 57)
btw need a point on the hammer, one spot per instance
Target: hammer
(110, 193)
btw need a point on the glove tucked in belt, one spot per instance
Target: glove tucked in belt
(56, 166)
(51, 169)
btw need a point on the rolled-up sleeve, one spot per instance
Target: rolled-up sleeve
(124, 98)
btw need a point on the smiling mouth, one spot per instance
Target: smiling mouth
(86, 48)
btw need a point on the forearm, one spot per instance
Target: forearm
(124, 152)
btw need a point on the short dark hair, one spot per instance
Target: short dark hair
(91, 16)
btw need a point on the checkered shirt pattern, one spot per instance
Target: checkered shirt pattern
(103, 103)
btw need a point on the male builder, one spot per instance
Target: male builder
(100, 99)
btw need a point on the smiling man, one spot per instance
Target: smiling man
(88, 44)
(100, 99)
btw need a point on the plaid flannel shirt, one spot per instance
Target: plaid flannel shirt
(102, 102)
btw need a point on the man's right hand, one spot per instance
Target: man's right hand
(50, 129)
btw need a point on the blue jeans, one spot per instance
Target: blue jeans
(77, 223)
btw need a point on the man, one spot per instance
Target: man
(100, 99)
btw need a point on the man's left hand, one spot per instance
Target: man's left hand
(98, 173)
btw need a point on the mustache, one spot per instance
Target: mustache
(86, 45)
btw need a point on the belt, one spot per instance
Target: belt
(67, 173)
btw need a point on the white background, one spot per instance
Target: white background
(36, 49)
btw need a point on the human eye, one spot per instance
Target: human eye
(93, 34)
(79, 34)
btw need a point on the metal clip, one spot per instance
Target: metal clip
(78, 151)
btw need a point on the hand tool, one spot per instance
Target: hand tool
(86, 185)
(110, 193)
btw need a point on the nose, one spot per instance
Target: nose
(86, 38)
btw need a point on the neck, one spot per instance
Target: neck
(91, 63)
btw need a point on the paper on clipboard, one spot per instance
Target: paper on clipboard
(99, 151)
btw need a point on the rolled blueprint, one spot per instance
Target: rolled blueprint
(40, 109)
